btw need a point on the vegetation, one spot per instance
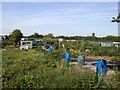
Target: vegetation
(16, 36)
(36, 35)
(37, 68)
(116, 19)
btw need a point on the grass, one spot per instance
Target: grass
(30, 69)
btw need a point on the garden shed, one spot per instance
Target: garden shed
(26, 44)
(48, 44)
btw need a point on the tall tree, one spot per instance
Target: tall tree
(16, 36)
(93, 34)
(35, 35)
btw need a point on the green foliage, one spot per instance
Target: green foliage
(36, 35)
(115, 58)
(7, 42)
(116, 19)
(26, 72)
(49, 36)
(16, 36)
(31, 69)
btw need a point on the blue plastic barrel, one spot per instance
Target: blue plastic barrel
(104, 66)
(49, 49)
(101, 66)
(81, 59)
(67, 57)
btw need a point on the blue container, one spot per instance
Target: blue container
(81, 59)
(49, 49)
(67, 57)
(101, 66)
(104, 70)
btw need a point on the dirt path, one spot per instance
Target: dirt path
(98, 57)
(94, 58)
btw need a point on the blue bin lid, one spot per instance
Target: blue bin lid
(67, 55)
(49, 49)
(81, 57)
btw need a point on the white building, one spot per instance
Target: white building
(106, 44)
(116, 44)
(26, 44)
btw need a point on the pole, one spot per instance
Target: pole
(59, 45)
(97, 75)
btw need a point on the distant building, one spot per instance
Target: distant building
(106, 44)
(2, 36)
(26, 44)
(38, 40)
(48, 44)
(116, 44)
(24, 39)
(74, 41)
(60, 39)
(94, 43)
(29, 42)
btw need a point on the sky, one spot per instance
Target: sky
(60, 0)
(60, 18)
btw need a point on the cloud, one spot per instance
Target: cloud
(62, 18)
(48, 17)
(57, 17)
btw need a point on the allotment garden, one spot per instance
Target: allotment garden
(38, 68)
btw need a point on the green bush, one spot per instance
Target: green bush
(29, 69)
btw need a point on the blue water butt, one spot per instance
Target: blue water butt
(104, 70)
(49, 49)
(101, 66)
(67, 57)
(81, 59)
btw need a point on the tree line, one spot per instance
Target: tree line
(16, 35)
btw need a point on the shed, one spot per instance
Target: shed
(48, 44)
(106, 44)
(116, 44)
(26, 44)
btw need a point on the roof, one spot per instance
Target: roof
(2, 35)
(116, 42)
(26, 40)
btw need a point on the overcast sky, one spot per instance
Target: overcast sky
(60, 18)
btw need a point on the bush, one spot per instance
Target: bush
(28, 69)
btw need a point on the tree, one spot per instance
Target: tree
(36, 35)
(6, 37)
(16, 36)
(93, 34)
(117, 19)
(93, 37)
(49, 36)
